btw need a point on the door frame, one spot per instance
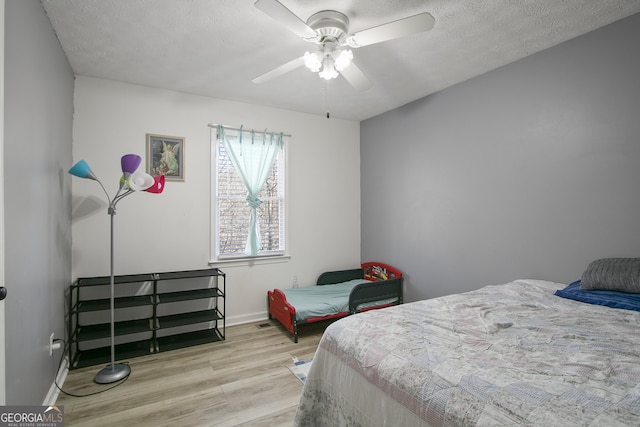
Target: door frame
(3, 397)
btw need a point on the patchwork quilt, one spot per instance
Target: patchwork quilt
(505, 355)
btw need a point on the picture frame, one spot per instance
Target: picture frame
(165, 156)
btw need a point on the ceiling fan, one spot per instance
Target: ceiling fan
(329, 30)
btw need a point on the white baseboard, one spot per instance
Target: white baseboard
(246, 318)
(52, 395)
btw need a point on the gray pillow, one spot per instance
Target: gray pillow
(613, 274)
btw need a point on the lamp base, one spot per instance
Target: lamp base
(112, 373)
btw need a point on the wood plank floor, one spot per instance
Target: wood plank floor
(242, 381)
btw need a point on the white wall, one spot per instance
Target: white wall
(170, 231)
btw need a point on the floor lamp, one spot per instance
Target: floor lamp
(130, 182)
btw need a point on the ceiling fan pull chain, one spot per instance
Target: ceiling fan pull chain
(325, 91)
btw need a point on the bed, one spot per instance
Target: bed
(521, 353)
(336, 294)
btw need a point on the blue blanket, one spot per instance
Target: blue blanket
(608, 298)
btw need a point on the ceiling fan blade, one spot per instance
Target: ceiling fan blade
(392, 30)
(277, 11)
(356, 77)
(284, 68)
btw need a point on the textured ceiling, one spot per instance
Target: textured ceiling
(216, 47)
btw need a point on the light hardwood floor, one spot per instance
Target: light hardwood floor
(242, 381)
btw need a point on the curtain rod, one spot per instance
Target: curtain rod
(244, 130)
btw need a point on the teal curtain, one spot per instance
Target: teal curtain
(252, 155)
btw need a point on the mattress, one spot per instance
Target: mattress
(513, 354)
(320, 301)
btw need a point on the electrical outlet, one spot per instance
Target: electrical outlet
(51, 344)
(54, 344)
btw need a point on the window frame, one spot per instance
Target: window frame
(215, 257)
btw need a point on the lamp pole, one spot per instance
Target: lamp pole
(115, 371)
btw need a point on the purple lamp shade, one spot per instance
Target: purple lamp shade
(130, 163)
(82, 170)
(157, 186)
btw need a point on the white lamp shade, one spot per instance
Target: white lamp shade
(140, 181)
(328, 71)
(342, 58)
(313, 61)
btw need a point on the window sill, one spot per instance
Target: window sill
(249, 262)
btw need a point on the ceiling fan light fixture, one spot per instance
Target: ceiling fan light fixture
(313, 61)
(343, 58)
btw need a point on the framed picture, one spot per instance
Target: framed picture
(165, 156)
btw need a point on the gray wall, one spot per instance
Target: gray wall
(528, 171)
(37, 148)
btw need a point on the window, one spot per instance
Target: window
(231, 210)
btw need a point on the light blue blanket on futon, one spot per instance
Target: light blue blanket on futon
(319, 301)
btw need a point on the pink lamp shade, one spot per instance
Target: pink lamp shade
(158, 185)
(130, 163)
(82, 170)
